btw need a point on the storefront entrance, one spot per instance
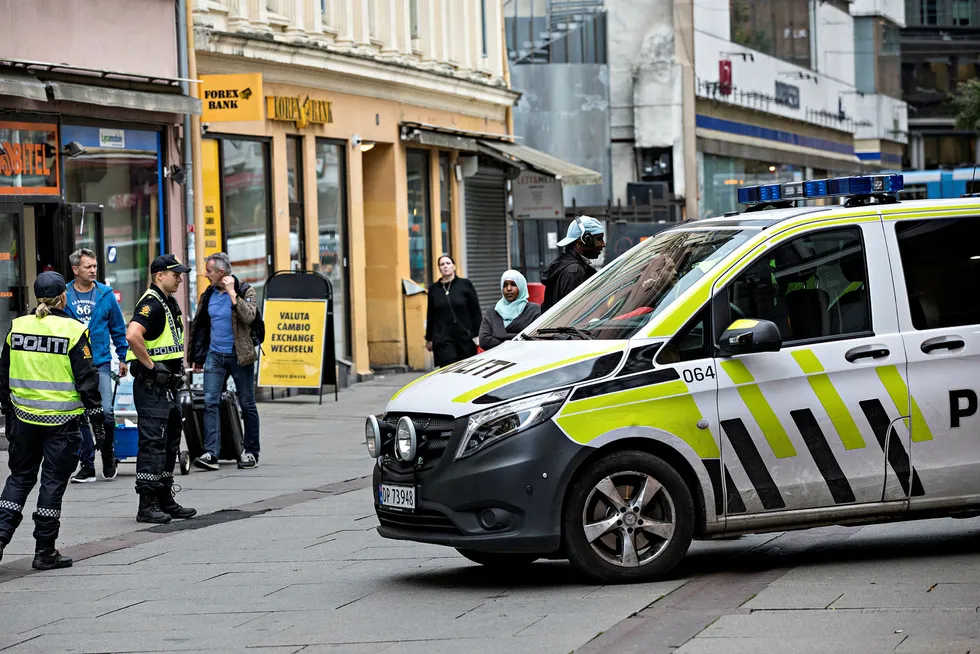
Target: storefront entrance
(39, 236)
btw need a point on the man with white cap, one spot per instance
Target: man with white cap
(584, 240)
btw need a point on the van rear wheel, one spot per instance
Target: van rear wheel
(499, 560)
(629, 517)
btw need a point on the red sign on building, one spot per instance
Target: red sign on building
(725, 76)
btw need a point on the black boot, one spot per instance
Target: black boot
(169, 505)
(109, 451)
(48, 558)
(149, 510)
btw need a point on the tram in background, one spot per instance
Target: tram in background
(935, 184)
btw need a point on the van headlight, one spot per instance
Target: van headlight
(405, 440)
(372, 436)
(493, 425)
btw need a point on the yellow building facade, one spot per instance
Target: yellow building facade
(338, 147)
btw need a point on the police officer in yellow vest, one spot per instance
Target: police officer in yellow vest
(47, 381)
(156, 350)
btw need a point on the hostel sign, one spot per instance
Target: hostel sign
(29, 159)
(302, 111)
(231, 98)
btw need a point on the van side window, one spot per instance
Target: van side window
(941, 265)
(814, 286)
(690, 343)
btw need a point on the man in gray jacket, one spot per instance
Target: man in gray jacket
(221, 345)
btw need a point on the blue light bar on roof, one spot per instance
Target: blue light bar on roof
(821, 188)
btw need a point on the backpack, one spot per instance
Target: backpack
(258, 325)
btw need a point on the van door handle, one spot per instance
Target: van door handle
(866, 352)
(942, 343)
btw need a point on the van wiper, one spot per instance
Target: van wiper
(583, 334)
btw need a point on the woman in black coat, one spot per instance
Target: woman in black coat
(511, 314)
(453, 317)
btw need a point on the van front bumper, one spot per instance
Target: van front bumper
(507, 498)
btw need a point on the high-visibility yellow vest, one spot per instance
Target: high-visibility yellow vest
(170, 343)
(42, 384)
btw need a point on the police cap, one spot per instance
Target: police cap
(167, 262)
(49, 284)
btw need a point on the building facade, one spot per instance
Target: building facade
(703, 97)
(375, 148)
(90, 143)
(940, 49)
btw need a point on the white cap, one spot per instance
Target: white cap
(580, 226)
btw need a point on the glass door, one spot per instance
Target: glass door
(13, 296)
(87, 232)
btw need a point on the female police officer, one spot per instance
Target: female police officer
(156, 350)
(46, 382)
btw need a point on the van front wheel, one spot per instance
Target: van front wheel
(629, 517)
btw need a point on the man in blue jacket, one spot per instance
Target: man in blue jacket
(95, 305)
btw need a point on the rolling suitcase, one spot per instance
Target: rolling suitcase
(232, 432)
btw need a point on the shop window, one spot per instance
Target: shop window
(294, 183)
(445, 204)
(962, 10)
(419, 259)
(949, 151)
(245, 184)
(331, 181)
(121, 170)
(723, 175)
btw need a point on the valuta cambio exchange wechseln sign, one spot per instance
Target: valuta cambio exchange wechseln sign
(292, 354)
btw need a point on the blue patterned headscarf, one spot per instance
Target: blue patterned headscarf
(509, 311)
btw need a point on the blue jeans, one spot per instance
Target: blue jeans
(217, 368)
(87, 454)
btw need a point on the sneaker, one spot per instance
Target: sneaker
(109, 470)
(206, 462)
(84, 476)
(248, 461)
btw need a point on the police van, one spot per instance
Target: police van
(787, 367)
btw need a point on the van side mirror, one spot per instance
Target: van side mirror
(750, 336)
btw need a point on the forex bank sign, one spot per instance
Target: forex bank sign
(231, 98)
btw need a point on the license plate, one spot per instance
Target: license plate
(396, 497)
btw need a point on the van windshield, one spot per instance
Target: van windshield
(637, 286)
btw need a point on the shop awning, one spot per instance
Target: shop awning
(22, 86)
(569, 173)
(168, 103)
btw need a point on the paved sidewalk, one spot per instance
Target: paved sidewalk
(303, 446)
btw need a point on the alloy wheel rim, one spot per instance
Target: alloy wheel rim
(629, 519)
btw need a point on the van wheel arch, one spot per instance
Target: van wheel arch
(658, 449)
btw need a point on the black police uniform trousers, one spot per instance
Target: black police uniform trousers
(159, 429)
(54, 451)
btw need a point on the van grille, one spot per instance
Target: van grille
(422, 520)
(434, 433)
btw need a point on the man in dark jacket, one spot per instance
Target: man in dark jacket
(584, 240)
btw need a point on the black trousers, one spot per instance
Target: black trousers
(159, 425)
(54, 451)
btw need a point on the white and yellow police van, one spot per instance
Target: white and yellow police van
(776, 369)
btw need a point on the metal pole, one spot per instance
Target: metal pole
(185, 89)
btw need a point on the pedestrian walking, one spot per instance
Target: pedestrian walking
(584, 240)
(156, 353)
(512, 313)
(47, 382)
(221, 345)
(95, 305)
(453, 317)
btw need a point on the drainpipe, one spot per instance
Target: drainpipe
(187, 163)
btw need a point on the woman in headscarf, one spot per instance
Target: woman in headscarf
(453, 317)
(511, 314)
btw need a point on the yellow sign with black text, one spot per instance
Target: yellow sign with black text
(302, 111)
(292, 353)
(230, 98)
